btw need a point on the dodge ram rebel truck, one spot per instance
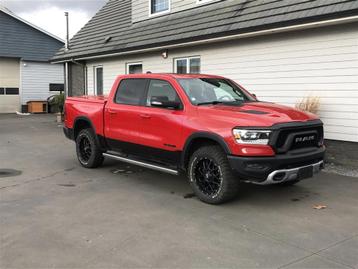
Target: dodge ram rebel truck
(208, 127)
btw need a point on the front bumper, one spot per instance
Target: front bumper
(279, 168)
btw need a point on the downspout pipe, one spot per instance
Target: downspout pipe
(67, 47)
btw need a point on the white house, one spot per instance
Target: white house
(280, 50)
(25, 70)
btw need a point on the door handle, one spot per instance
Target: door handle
(145, 116)
(113, 112)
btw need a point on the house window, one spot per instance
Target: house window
(134, 68)
(9, 91)
(189, 65)
(98, 80)
(159, 6)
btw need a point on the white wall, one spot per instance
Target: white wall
(281, 68)
(36, 77)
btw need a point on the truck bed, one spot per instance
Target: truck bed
(91, 107)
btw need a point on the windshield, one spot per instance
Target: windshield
(203, 91)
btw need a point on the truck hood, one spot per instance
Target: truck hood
(254, 114)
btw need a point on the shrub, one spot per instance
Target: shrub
(309, 104)
(57, 101)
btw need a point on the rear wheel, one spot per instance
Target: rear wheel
(211, 177)
(88, 150)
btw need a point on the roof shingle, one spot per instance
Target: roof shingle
(221, 18)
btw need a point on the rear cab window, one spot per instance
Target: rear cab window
(132, 91)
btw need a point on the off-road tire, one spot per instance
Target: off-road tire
(95, 157)
(229, 184)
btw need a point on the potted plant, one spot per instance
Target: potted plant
(57, 104)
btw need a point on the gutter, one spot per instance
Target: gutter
(224, 38)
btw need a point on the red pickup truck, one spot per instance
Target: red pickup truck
(208, 127)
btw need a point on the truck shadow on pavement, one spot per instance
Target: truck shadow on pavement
(272, 195)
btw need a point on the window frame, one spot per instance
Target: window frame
(171, 85)
(151, 14)
(95, 79)
(142, 103)
(200, 2)
(133, 63)
(175, 67)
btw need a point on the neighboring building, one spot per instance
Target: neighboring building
(25, 70)
(280, 50)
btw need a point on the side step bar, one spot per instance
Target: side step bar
(141, 163)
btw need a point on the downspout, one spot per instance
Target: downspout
(67, 47)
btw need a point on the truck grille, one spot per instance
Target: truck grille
(297, 137)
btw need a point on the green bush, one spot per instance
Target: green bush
(57, 102)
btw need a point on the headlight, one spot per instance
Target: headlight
(255, 137)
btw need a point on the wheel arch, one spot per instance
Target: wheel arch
(81, 123)
(199, 139)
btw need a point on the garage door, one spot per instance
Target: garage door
(9, 85)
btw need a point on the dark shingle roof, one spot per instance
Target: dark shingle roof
(20, 39)
(208, 21)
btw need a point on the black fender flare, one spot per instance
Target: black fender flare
(100, 139)
(82, 118)
(197, 135)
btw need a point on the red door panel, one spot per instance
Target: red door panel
(123, 123)
(161, 128)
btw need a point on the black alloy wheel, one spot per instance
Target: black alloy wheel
(85, 150)
(89, 153)
(211, 176)
(208, 177)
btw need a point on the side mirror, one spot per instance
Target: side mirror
(254, 95)
(163, 102)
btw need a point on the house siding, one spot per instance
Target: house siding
(281, 68)
(140, 8)
(36, 77)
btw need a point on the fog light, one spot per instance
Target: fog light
(279, 176)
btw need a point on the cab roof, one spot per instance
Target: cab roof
(172, 75)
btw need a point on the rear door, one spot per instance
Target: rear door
(123, 114)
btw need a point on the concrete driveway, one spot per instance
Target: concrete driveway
(56, 214)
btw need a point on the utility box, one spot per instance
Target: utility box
(37, 106)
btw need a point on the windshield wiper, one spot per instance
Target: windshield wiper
(211, 103)
(220, 102)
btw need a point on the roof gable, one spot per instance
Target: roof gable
(221, 18)
(21, 39)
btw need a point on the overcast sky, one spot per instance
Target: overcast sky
(49, 14)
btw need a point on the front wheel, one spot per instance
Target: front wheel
(88, 151)
(211, 177)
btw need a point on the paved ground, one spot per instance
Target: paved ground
(59, 215)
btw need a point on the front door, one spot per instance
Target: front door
(161, 128)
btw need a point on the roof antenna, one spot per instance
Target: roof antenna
(148, 72)
(67, 45)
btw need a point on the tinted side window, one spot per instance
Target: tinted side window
(161, 89)
(131, 91)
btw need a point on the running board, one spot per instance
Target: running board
(141, 163)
